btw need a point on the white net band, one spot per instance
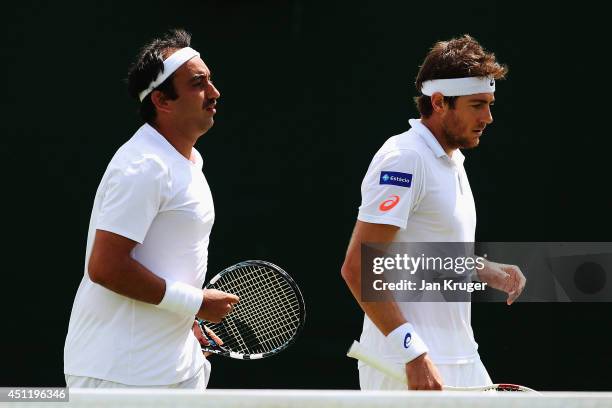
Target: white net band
(157, 398)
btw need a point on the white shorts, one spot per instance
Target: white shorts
(458, 375)
(198, 381)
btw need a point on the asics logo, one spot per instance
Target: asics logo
(389, 203)
(407, 340)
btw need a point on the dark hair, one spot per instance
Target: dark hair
(149, 63)
(457, 58)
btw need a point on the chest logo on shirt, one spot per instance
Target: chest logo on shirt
(389, 203)
(396, 178)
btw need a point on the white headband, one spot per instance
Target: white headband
(171, 64)
(459, 86)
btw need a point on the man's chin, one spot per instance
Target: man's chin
(207, 125)
(470, 144)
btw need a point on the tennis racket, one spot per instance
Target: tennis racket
(266, 320)
(359, 352)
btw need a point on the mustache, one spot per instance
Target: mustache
(210, 103)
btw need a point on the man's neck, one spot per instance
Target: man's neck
(182, 141)
(435, 127)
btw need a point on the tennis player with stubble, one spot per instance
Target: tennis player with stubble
(132, 322)
(426, 197)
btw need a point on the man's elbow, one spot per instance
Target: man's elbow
(349, 274)
(98, 272)
(95, 273)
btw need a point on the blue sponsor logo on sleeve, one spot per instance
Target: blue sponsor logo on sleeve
(396, 178)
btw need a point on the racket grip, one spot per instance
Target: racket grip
(359, 352)
(211, 342)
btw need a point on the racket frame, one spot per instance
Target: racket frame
(219, 349)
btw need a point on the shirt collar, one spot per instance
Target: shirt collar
(148, 129)
(433, 143)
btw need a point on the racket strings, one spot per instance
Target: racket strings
(268, 314)
(267, 323)
(260, 336)
(281, 303)
(255, 300)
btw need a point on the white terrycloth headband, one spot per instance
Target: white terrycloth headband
(171, 64)
(459, 86)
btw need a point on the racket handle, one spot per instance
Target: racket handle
(363, 354)
(391, 370)
(359, 352)
(211, 342)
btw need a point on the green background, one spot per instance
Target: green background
(310, 90)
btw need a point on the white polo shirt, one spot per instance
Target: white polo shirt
(413, 184)
(153, 195)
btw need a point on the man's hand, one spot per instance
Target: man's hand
(507, 278)
(197, 331)
(422, 374)
(216, 305)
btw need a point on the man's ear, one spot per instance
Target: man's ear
(160, 101)
(437, 102)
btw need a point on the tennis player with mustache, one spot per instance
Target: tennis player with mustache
(132, 321)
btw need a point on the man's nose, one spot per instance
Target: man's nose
(213, 92)
(488, 117)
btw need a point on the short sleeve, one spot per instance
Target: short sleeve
(132, 198)
(391, 188)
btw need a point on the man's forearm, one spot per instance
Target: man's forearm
(386, 315)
